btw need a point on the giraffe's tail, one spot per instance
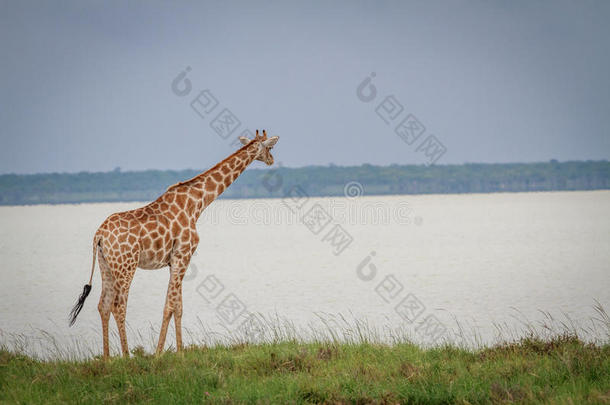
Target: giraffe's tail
(87, 289)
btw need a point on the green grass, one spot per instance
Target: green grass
(563, 370)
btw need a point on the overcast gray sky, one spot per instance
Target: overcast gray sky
(87, 86)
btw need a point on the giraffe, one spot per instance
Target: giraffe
(161, 234)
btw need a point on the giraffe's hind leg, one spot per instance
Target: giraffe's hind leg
(106, 301)
(119, 304)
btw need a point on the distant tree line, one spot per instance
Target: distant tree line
(314, 180)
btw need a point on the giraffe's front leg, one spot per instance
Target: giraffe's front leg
(178, 319)
(167, 315)
(173, 301)
(183, 266)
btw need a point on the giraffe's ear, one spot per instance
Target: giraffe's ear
(244, 140)
(270, 143)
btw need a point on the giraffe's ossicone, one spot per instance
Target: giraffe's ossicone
(161, 234)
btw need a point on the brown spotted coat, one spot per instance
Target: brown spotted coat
(161, 234)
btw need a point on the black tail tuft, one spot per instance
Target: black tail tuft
(79, 304)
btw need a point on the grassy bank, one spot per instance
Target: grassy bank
(562, 370)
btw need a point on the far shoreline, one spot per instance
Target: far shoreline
(145, 202)
(312, 181)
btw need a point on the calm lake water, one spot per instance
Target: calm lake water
(480, 260)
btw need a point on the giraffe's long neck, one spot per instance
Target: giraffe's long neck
(214, 181)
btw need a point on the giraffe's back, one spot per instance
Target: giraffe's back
(148, 233)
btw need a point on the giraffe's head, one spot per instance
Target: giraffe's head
(264, 146)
